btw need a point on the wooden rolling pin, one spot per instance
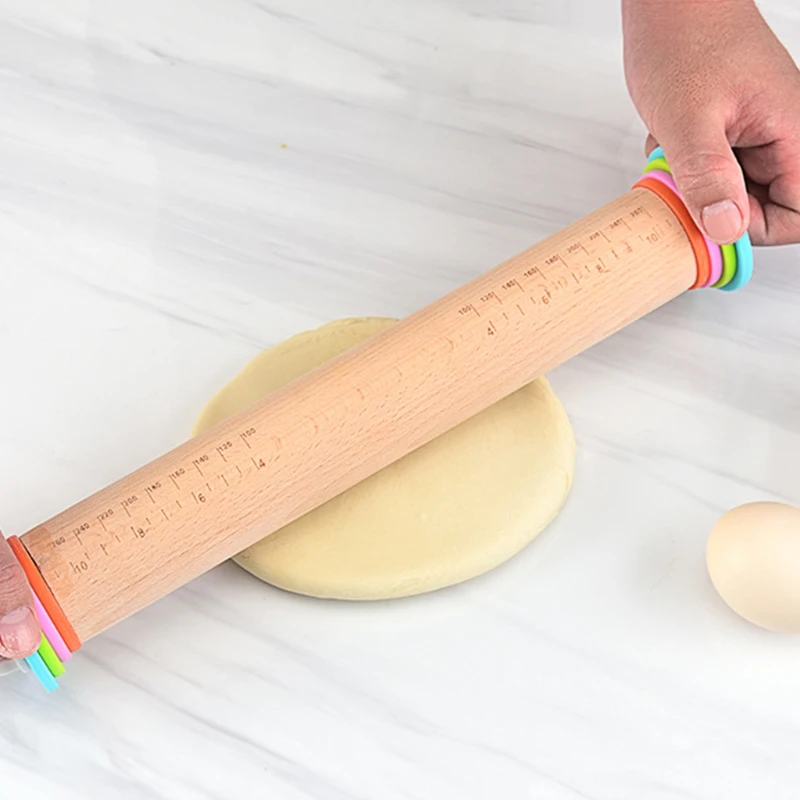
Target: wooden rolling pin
(158, 528)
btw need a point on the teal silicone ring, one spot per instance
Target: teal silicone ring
(40, 670)
(744, 265)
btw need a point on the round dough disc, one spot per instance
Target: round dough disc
(450, 510)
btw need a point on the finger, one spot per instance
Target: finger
(708, 175)
(768, 162)
(758, 198)
(774, 225)
(771, 223)
(20, 634)
(785, 190)
(781, 226)
(760, 164)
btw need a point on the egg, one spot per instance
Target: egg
(753, 558)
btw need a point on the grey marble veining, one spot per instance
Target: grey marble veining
(211, 177)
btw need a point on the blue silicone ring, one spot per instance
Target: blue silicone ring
(657, 153)
(40, 670)
(744, 265)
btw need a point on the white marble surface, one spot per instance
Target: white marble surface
(156, 234)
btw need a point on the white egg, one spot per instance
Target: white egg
(753, 557)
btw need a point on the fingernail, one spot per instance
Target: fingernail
(722, 221)
(19, 632)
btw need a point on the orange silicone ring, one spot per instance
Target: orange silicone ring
(696, 239)
(45, 596)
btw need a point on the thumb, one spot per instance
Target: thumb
(708, 177)
(20, 634)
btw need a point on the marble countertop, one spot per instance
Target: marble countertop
(186, 183)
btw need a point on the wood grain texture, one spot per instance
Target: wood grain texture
(157, 236)
(165, 524)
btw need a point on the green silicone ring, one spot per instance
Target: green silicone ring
(658, 163)
(51, 660)
(728, 265)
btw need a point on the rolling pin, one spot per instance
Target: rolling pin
(170, 521)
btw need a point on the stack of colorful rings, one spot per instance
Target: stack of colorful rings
(59, 640)
(727, 267)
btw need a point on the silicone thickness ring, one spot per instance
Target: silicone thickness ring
(728, 266)
(658, 163)
(50, 631)
(45, 595)
(657, 153)
(715, 252)
(39, 669)
(655, 183)
(50, 658)
(744, 264)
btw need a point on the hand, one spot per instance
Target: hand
(20, 634)
(713, 84)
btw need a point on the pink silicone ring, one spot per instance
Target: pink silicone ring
(49, 630)
(714, 251)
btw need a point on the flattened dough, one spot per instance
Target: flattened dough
(451, 510)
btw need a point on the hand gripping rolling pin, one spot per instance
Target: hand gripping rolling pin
(170, 521)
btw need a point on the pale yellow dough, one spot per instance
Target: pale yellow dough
(449, 511)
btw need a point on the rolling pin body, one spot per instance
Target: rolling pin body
(167, 523)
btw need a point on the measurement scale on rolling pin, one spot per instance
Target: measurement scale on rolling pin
(225, 461)
(154, 530)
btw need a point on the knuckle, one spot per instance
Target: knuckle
(12, 578)
(700, 170)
